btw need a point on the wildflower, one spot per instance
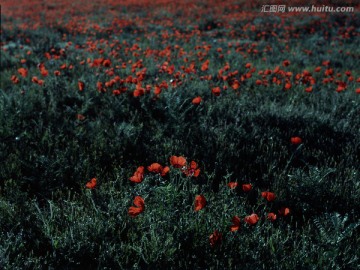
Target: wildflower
(296, 140)
(177, 162)
(157, 168)
(200, 202)
(284, 211)
(138, 208)
(232, 185)
(192, 170)
(81, 85)
(15, 79)
(80, 117)
(23, 72)
(216, 91)
(196, 101)
(286, 63)
(246, 187)
(236, 224)
(269, 196)
(91, 184)
(138, 175)
(271, 216)
(215, 238)
(252, 219)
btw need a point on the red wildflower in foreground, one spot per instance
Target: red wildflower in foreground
(296, 140)
(246, 187)
(252, 219)
(269, 196)
(196, 101)
(200, 202)
(357, 91)
(192, 170)
(236, 224)
(91, 184)
(177, 162)
(271, 216)
(157, 168)
(215, 238)
(232, 185)
(138, 208)
(23, 72)
(138, 175)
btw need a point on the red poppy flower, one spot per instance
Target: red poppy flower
(271, 216)
(236, 224)
(200, 202)
(296, 140)
(177, 162)
(196, 101)
(23, 72)
(269, 196)
(15, 79)
(284, 211)
(246, 187)
(91, 184)
(81, 85)
(80, 117)
(286, 63)
(232, 185)
(57, 73)
(357, 91)
(215, 238)
(138, 175)
(138, 208)
(192, 170)
(216, 91)
(252, 219)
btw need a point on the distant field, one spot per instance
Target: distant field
(179, 135)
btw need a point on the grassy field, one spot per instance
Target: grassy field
(178, 135)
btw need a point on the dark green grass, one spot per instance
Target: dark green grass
(49, 219)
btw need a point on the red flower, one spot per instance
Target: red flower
(236, 224)
(269, 196)
(271, 216)
(157, 168)
(286, 63)
(138, 208)
(200, 202)
(357, 91)
(192, 170)
(246, 187)
(296, 140)
(23, 72)
(81, 85)
(215, 238)
(196, 101)
(252, 219)
(284, 211)
(91, 184)
(216, 91)
(177, 162)
(80, 117)
(138, 175)
(232, 185)
(15, 79)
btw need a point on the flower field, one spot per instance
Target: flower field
(179, 135)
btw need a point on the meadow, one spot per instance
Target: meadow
(178, 135)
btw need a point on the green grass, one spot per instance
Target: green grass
(49, 219)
